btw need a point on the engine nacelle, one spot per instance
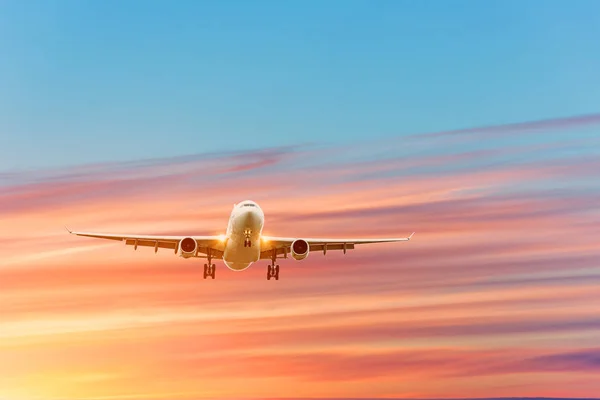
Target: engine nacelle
(187, 247)
(300, 249)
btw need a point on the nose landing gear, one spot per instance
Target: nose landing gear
(273, 269)
(247, 241)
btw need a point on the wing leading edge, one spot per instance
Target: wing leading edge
(165, 242)
(282, 244)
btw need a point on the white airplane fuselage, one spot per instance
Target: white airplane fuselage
(243, 237)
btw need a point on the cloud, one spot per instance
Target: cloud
(63, 188)
(498, 283)
(583, 360)
(563, 123)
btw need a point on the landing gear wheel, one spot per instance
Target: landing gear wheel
(209, 271)
(273, 269)
(247, 236)
(273, 272)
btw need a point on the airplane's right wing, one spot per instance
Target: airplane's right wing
(283, 245)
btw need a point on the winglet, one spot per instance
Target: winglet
(411, 235)
(68, 230)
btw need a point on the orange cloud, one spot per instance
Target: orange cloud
(494, 296)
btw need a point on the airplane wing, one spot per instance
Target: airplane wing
(205, 243)
(282, 245)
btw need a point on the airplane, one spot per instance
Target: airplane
(242, 245)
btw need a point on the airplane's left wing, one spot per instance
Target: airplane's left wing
(204, 243)
(282, 245)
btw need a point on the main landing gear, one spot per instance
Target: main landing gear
(273, 269)
(247, 241)
(209, 269)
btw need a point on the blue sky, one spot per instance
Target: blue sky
(102, 81)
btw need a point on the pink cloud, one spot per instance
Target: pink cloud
(499, 278)
(573, 122)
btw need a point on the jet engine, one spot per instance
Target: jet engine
(300, 249)
(188, 247)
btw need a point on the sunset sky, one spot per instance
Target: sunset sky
(496, 295)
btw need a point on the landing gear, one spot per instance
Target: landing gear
(273, 269)
(273, 272)
(247, 241)
(209, 269)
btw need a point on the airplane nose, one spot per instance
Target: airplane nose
(249, 216)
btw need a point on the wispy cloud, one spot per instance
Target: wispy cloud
(499, 283)
(563, 123)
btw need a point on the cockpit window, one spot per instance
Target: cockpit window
(248, 205)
